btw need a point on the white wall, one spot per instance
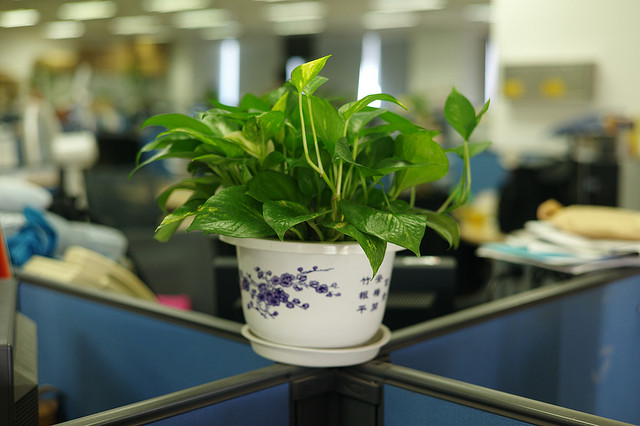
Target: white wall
(557, 32)
(441, 59)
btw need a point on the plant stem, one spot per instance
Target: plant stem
(315, 227)
(463, 187)
(315, 138)
(306, 148)
(304, 138)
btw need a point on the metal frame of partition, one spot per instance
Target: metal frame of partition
(350, 395)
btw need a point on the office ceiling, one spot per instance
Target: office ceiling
(251, 17)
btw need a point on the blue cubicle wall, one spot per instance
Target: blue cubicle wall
(578, 351)
(267, 407)
(103, 356)
(406, 407)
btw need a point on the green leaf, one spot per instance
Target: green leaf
(360, 119)
(305, 73)
(327, 122)
(174, 121)
(474, 149)
(274, 159)
(313, 85)
(443, 224)
(398, 123)
(221, 124)
(283, 215)
(419, 148)
(281, 103)
(164, 233)
(223, 145)
(172, 221)
(203, 184)
(374, 247)
(405, 230)
(251, 102)
(364, 102)
(484, 109)
(460, 114)
(270, 123)
(181, 149)
(233, 213)
(343, 152)
(269, 185)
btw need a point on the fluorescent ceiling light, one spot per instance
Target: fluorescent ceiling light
(309, 26)
(86, 10)
(228, 30)
(202, 18)
(369, 76)
(477, 13)
(229, 72)
(19, 18)
(306, 10)
(407, 5)
(127, 25)
(164, 6)
(64, 29)
(385, 20)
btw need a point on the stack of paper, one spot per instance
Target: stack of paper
(542, 244)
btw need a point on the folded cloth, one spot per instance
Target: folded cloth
(36, 236)
(17, 193)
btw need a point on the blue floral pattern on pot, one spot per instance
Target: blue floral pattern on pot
(269, 291)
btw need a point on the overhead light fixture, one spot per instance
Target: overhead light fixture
(129, 25)
(477, 13)
(229, 72)
(64, 29)
(386, 20)
(300, 11)
(165, 6)
(228, 30)
(87, 10)
(19, 18)
(407, 5)
(202, 18)
(300, 27)
(369, 76)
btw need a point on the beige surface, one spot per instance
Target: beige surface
(592, 221)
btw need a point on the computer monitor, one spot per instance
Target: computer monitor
(18, 361)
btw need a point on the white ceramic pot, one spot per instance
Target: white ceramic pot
(311, 295)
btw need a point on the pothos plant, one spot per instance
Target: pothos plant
(293, 166)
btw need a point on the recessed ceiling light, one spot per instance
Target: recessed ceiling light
(300, 11)
(288, 28)
(228, 30)
(407, 5)
(86, 10)
(19, 18)
(164, 6)
(127, 25)
(386, 20)
(202, 18)
(64, 29)
(477, 13)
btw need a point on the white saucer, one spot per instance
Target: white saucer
(318, 357)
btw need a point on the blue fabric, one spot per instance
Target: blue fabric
(269, 407)
(579, 351)
(403, 407)
(36, 236)
(103, 357)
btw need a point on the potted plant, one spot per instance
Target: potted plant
(290, 177)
